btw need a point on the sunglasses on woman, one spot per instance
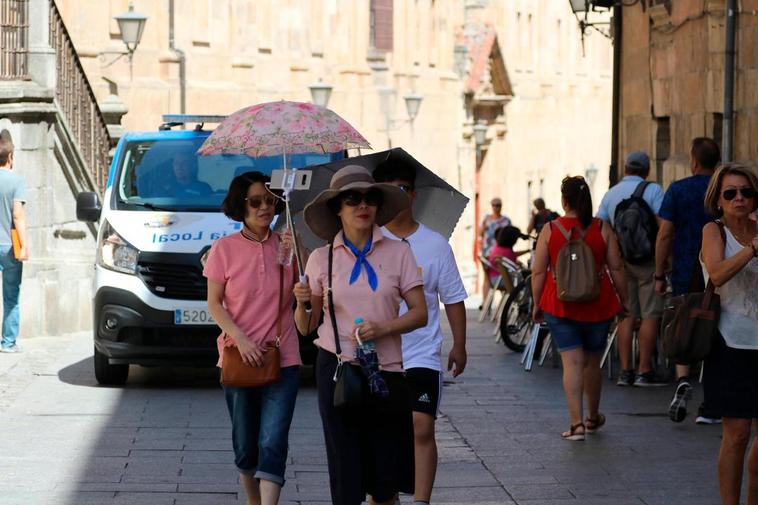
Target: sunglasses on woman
(730, 194)
(256, 201)
(354, 198)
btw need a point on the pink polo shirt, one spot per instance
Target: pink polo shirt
(397, 273)
(250, 275)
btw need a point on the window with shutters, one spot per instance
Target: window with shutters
(380, 35)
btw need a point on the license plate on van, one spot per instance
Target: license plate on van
(193, 316)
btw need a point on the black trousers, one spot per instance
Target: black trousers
(369, 448)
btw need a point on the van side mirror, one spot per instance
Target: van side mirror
(88, 206)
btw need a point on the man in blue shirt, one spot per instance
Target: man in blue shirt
(682, 217)
(12, 218)
(644, 303)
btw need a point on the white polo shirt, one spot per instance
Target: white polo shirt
(422, 348)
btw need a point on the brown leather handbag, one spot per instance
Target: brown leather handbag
(234, 371)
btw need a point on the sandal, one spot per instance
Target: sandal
(572, 434)
(594, 424)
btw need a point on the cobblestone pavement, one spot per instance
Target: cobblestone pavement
(165, 438)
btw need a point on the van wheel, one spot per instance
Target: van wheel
(107, 374)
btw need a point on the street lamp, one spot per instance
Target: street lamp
(480, 134)
(320, 93)
(131, 25)
(460, 57)
(412, 103)
(590, 174)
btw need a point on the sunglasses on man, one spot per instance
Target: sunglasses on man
(256, 201)
(353, 198)
(731, 193)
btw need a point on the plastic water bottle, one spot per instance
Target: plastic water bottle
(369, 346)
(284, 253)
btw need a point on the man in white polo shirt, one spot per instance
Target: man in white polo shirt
(422, 349)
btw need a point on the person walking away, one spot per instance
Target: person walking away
(490, 224)
(540, 216)
(682, 216)
(12, 219)
(579, 328)
(422, 348)
(631, 207)
(731, 263)
(249, 296)
(359, 281)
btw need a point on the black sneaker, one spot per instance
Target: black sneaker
(649, 380)
(678, 407)
(626, 378)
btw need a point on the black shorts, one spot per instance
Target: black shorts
(426, 390)
(730, 381)
(369, 449)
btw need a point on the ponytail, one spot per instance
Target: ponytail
(576, 192)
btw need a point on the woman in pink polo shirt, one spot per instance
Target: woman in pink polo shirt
(369, 447)
(243, 279)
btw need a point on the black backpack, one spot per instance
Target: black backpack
(636, 227)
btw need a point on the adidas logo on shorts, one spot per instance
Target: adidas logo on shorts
(424, 398)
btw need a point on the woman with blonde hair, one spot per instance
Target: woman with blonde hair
(730, 259)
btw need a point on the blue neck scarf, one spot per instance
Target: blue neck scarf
(360, 260)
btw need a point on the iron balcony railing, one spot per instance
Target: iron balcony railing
(14, 39)
(77, 102)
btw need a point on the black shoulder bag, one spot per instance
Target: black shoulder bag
(348, 387)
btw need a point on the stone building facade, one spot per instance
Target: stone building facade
(514, 65)
(672, 81)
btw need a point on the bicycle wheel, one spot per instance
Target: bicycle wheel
(517, 314)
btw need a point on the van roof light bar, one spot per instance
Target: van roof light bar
(171, 120)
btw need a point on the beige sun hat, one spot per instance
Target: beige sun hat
(325, 224)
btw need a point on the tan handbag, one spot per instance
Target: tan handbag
(234, 371)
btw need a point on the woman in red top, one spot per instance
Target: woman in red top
(579, 329)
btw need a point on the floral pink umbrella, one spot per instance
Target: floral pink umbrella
(273, 128)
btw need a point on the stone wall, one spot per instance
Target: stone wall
(673, 82)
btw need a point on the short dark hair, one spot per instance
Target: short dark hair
(6, 149)
(539, 203)
(234, 203)
(637, 170)
(388, 171)
(706, 152)
(507, 236)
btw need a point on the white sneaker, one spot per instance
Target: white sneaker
(13, 349)
(707, 420)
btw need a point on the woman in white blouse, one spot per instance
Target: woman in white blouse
(732, 366)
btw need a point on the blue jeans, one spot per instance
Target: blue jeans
(261, 419)
(11, 270)
(569, 334)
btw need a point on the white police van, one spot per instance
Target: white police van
(159, 216)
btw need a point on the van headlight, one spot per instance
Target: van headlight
(115, 253)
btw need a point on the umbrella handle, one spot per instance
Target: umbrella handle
(307, 305)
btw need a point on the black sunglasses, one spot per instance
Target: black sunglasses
(353, 198)
(730, 194)
(256, 201)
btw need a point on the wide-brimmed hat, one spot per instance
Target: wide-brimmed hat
(325, 224)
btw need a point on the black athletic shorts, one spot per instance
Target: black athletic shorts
(426, 389)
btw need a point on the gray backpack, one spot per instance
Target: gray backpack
(576, 275)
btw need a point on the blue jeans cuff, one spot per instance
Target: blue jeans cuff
(269, 477)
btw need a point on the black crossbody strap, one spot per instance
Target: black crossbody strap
(330, 303)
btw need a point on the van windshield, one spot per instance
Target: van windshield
(169, 175)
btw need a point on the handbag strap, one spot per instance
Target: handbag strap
(330, 303)
(710, 289)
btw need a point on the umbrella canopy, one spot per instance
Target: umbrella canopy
(277, 128)
(438, 205)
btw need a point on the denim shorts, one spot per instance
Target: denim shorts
(568, 334)
(261, 419)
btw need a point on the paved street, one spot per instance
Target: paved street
(165, 438)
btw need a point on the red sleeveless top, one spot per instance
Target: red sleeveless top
(607, 304)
